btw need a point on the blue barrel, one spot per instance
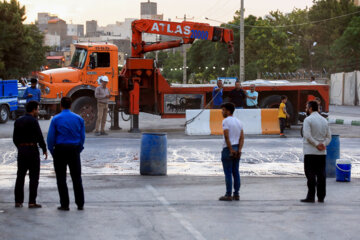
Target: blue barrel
(343, 170)
(153, 155)
(333, 153)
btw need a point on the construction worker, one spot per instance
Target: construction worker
(102, 94)
(27, 136)
(32, 93)
(66, 140)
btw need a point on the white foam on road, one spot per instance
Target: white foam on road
(261, 157)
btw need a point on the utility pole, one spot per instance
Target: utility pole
(242, 44)
(184, 57)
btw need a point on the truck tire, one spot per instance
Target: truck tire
(13, 115)
(86, 107)
(4, 114)
(274, 101)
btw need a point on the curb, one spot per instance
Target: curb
(344, 121)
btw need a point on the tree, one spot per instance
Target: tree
(21, 46)
(346, 49)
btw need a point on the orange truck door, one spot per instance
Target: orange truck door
(102, 66)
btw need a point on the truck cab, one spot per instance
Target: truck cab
(79, 80)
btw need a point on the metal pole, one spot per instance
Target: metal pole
(242, 44)
(184, 60)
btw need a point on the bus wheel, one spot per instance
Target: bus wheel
(87, 109)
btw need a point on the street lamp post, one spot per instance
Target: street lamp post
(242, 44)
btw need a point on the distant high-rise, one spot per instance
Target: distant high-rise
(91, 28)
(148, 8)
(43, 19)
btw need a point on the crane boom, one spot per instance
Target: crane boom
(188, 31)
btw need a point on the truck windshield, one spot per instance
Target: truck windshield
(79, 58)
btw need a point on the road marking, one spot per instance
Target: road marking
(187, 225)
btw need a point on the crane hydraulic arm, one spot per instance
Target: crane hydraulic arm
(188, 31)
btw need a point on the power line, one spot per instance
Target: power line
(285, 26)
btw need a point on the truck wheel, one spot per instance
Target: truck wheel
(274, 101)
(87, 109)
(4, 114)
(47, 117)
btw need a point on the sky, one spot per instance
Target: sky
(110, 11)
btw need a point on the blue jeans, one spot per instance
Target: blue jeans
(239, 108)
(231, 169)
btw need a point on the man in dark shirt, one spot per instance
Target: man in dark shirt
(65, 140)
(27, 135)
(238, 96)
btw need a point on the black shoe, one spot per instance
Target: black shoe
(307, 200)
(80, 208)
(103, 133)
(18, 205)
(321, 200)
(225, 198)
(63, 208)
(236, 198)
(34, 205)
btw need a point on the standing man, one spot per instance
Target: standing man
(32, 93)
(231, 153)
(238, 96)
(317, 136)
(252, 97)
(102, 94)
(217, 95)
(283, 115)
(65, 140)
(27, 136)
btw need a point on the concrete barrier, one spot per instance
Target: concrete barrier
(350, 88)
(255, 121)
(336, 89)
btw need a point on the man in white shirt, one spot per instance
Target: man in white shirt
(252, 97)
(317, 136)
(231, 153)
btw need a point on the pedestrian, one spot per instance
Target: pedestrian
(27, 136)
(217, 95)
(283, 115)
(252, 97)
(312, 80)
(102, 94)
(317, 136)
(231, 153)
(318, 100)
(65, 140)
(32, 93)
(238, 96)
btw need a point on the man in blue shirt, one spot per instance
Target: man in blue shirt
(217, 95)
(65, 140)
(32, 93)
(252, 97)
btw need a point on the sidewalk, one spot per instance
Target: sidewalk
(183, 207)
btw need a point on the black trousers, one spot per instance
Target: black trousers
(282, 122)
(68, 155)
(28, 160)
(316, 175)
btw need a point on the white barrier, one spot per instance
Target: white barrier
(251, 119)
(336, 88)
(200, 125)
(350, 88)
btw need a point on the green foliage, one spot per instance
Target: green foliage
(21, 49)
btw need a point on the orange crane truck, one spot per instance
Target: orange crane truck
(141, 87)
